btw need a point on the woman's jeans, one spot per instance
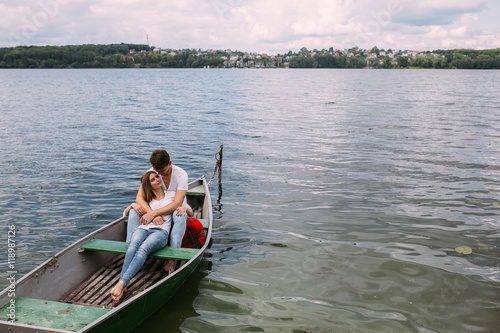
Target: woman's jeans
(176, 235)
(144, 242)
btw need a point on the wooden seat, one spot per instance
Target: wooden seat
(204, 222)
(196, 191)
(167, 252)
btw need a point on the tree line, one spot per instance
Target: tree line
(438, 59)
(140, 55)
(103, 56)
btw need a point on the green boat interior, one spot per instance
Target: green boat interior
(55, 315)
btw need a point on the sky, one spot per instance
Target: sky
(263, 26)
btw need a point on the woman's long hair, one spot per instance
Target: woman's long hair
(146, 186)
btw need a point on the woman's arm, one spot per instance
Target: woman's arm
(134, 206)
(127, 210)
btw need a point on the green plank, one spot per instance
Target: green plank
(197, 190)
(65, 316)
(106, 246)
(121, 247)
(204, 222)
(177, 253)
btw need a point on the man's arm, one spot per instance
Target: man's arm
(168, 209)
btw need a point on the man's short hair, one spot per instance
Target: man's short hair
(159, 159)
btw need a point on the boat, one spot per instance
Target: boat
(70, 291)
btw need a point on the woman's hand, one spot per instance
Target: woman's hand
(138, 208)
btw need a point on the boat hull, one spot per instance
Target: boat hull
(57, 278)
(141, 308)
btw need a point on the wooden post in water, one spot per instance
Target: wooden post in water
(220, 165)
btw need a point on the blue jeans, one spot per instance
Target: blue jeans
(177, 233)
(144, 242)
(178, 229)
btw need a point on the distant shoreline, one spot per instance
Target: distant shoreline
(256, 69)
(144, 56)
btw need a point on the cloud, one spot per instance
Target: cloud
(436, 32)
(252, 25)
(458, 32)
(437, 12)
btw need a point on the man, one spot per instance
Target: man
(174, 179)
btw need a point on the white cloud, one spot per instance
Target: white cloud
(253, 25)
(458, 32)
(448, 44)
(469, 18)
(436, 32)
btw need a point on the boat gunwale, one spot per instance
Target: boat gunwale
(33, 327)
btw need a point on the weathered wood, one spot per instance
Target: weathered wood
(105, 283)
(95, 291)
(86, 287)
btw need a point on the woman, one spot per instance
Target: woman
(146, 238)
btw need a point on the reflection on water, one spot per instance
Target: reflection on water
(344, 192)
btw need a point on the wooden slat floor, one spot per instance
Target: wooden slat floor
(95, 291)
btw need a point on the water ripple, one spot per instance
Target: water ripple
(344, 193)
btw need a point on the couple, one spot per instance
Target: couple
(160, 201)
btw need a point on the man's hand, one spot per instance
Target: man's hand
(180, 211)
(150, 217)
(158, 220)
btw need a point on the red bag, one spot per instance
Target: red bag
(194, 237)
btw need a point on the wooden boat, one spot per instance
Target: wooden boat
(70, 291)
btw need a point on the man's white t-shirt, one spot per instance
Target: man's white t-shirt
(178, 181)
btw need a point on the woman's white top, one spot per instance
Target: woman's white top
(157, 204)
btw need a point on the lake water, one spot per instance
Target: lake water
(344, 193)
